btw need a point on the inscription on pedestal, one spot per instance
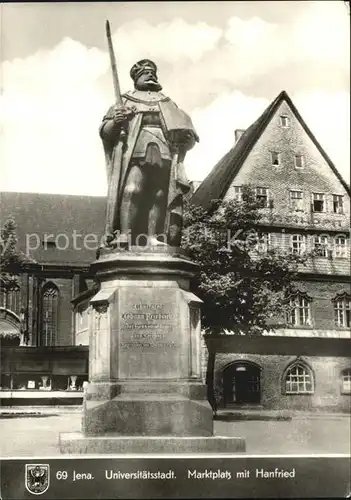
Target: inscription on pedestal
(150, 343)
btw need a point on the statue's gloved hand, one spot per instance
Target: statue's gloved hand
(122, 114)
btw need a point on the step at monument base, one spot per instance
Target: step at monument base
(77, 443)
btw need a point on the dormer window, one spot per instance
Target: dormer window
(275, 158)
(284, 121)
(299, 161)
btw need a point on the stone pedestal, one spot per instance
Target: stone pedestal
(145, 391)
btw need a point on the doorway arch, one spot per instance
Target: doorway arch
(241, 383)
(10, 328)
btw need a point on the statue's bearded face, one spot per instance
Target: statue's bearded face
(147, 81)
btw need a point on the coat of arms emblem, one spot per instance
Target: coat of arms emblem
(37, 478)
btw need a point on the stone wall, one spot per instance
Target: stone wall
(327, 394)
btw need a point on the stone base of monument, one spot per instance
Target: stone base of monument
(149, 415)
(146, 393)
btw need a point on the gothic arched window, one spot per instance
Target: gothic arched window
(298, 379)
(10, 297)
(342, 310)
(49, 323)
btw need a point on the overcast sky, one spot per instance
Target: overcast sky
(222, 62)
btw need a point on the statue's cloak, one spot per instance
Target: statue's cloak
(119, 155)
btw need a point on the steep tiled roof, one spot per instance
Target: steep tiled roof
(62, 216)
(219, 179)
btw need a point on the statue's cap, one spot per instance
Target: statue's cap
(139, 67)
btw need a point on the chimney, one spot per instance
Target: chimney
(238, 133)
(194, 185)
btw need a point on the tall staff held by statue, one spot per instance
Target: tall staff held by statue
(112, 182)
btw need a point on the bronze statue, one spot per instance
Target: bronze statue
(145, 137)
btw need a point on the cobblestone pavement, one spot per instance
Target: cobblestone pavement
(303, 434)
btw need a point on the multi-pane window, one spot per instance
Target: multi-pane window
(321, 245)
(338, 204)
(238, 193)
(342, 307)
(299, 380)
(284, 121)
(263, 243)
(49, 323)
(300, 311)
(3, 297)
(346, 381)
(275, 158)
(299, 161)
(340, 247)
(297, 244)
(262, 196)
(318, 202)
(296, 200)
(10, 298)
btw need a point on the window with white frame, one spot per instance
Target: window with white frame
(321, 245)
(342, 307)
(299, 161)
(296, 200)
(340, 246)
(338, 203)
(297, 244)
(263, 243)
(10, 297)
(237, 193)
(318, 202)
(346, 381)
(284, 121)
(49, 322)
(262, 196)
(299, 313)
(299, 380)
(275, 158)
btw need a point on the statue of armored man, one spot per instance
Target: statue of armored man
(146, 137)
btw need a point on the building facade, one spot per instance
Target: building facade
(306, 208)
